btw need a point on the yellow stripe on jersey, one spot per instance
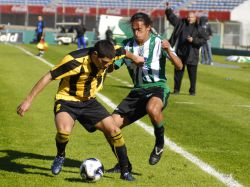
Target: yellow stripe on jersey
(120, 52)
(80, 78)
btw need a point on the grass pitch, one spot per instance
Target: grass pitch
(213, 125)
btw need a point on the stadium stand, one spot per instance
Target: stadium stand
(212, 5)
(100, 3)
(142, 4)
(229, 16)
(24, 2)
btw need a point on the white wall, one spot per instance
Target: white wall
(242, 15)
(109, 21)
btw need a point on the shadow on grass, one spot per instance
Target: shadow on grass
(9, 164)
(82, 181)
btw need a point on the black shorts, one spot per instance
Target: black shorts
(133, 107)
(88, 113)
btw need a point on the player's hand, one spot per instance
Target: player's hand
(139, 60)
(23, 107)
(190, 39)
(165, 44)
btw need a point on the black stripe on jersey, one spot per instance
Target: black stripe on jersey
(60, 82)
(81, 52)
(73, 84)
(65, 68)
(87, 85)
(94, 70)
(99, 80)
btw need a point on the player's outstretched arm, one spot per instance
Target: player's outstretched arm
(137, 60)
(176, 61)
(39, 86)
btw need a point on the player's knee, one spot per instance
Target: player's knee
(62, 137)
(153, 111)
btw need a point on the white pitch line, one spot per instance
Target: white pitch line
(244, 106)
(226, 179)
(121, 81)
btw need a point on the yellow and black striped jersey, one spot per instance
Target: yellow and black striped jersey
(80, 78)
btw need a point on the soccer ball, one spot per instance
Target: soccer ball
(91, 170)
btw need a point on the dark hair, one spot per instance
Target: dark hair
(105, 48)
(141, 17)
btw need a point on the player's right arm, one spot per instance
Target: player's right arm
(171, 17)
(176, 61)
(39, 86)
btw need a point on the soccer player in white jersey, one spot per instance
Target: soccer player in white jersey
(150, 92)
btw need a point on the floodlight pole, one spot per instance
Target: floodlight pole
(27, 14)
(97, 15)
(63, 11)
(0, 14)
(55, 16)
(128, 8)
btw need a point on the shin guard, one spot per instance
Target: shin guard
(62, 139)
(120, 151)
(159, 134)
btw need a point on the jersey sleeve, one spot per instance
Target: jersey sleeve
(120, 52)
(166, 54)
(120, 55)
(67, 67)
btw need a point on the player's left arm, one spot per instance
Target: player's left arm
(176, 61)
(137, 60)
(123, 53)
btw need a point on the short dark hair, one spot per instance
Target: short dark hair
(140, 16)
(105, 48)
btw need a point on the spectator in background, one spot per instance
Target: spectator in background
(189, 36)
(80, 32)
(206, 52)
(40, 37)
(109, 35)
(39, 29)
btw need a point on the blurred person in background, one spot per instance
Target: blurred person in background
(80, 32)
(40, 37)
(109, 35)
(39, 28)
(206, 52)
(189, 37)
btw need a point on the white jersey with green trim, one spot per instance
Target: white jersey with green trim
(153, 71)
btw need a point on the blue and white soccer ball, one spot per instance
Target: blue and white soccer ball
(91, 170)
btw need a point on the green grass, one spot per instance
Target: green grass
(215, 128)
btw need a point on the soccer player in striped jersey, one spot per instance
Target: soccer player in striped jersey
(82, 73)
(150, 92)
